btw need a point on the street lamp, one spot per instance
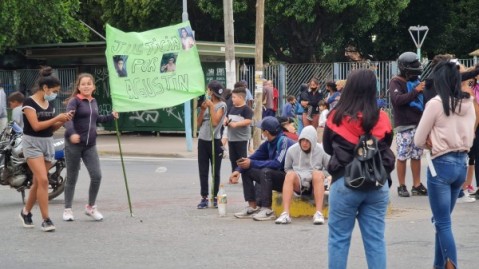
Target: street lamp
(418, 42)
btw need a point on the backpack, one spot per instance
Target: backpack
(366, 171)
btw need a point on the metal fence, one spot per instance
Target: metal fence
(286, 77)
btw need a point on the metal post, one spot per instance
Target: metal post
(187, 104)
(419, 41)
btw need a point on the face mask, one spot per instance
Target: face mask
(50, 97)
(263, 137)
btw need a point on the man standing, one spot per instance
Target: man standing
(266, 167)
(408, 104)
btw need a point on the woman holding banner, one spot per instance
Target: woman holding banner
(80, 144)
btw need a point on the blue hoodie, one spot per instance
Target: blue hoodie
(271, 154)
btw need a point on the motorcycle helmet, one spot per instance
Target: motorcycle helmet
(409, 65)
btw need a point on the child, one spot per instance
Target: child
(15, 102)
(290, 107)
(40, 123)
(239, 126)
(210, 118)
(324, 110)
(80, 144)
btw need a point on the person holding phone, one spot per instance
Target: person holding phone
(39, 124)
(80, 144)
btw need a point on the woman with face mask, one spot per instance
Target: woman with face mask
(39, 124)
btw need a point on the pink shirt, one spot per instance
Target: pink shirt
(447, 133)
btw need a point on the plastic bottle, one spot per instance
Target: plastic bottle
(222, 201)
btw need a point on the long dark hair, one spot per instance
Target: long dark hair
(447, 83)
(358, 95)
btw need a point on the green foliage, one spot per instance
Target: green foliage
(39, 22)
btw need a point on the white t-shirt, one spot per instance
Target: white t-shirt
(323, 117)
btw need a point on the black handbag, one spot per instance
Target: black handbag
(366, 171)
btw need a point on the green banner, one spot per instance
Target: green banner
(154, 69)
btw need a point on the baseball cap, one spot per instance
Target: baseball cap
(216, 88)
(270, 124)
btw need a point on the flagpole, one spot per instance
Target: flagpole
(123, 167)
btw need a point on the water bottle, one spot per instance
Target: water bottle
(222, 201)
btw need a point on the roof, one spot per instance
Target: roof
(96, 49)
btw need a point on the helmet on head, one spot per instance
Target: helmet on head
(409, 65)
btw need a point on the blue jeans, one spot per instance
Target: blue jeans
(443, 191)
(369, 207)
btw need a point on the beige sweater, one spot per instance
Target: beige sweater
(447, 133)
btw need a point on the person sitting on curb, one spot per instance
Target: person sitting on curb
(266, 167)
(305, 165)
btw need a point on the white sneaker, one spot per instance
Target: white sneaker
(465, 199)
(93, 212)
(264, 214)
(68, 215)
(247, 212)
(284, 218)
(318, 218)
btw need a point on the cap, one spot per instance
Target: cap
(216, 88)
(284, 120)
(270, 124)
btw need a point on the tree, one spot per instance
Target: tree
(39, 22)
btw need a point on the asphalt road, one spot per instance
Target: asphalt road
(167, 231)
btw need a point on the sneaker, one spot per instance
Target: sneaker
(419, 190)
(264, 214)
(471, 189)
(68, 215)
(247, 212)
(215, 202)
(47, 226)
(26, 219)
(465, 199)
(477, 195)
(93, 212)
(318, 218)
(284, 218)
(402, 191)
(203, 203)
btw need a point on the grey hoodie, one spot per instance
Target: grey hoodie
(304, 163)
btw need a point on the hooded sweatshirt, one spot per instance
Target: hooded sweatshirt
(305, 163)
(447, 133)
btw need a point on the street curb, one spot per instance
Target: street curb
(143, 154)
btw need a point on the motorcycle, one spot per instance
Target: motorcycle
(14, 170)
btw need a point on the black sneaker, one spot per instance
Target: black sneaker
(419, 190)
(26, 219)
(402, 191)
(47, 226)
(215, 202)
(203, 203)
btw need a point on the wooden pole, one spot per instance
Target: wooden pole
(258, 74)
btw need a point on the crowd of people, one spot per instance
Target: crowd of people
(315, 136)
(306, 148)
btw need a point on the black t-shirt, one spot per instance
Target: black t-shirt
(42, 115)
(313, 98)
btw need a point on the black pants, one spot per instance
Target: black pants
(474, 156)
(205, 158)
(237, 150)
(268, 180)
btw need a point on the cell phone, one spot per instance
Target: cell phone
(240, 160)
(72, 112)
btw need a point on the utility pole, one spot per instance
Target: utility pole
(187, 104)
(229, 44)
(258, 73)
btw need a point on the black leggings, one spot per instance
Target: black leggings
(205, 158)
